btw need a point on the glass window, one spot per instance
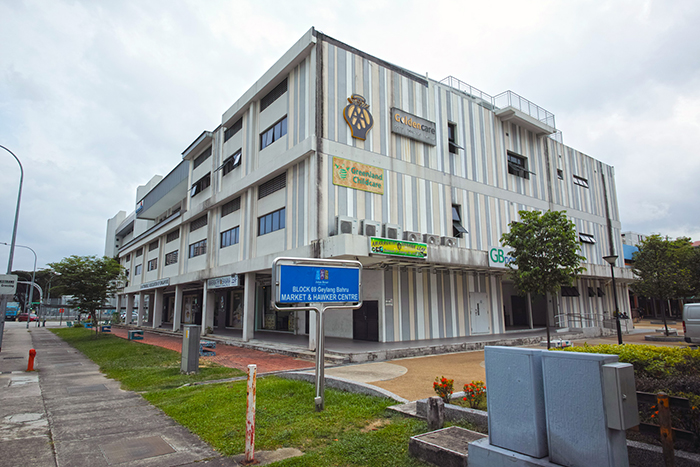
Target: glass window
(271, 222)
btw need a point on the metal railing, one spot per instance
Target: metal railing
(468, 89)
(503, 100)
(580, 320)
(511, 99)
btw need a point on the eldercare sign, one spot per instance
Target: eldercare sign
(412, 126)
(363, 177)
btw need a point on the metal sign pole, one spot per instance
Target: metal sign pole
(331, 290)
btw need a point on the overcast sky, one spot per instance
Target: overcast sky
(98, 96)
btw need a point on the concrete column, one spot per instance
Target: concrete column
(312, 330)
(157, 308)
(139, 313)
(177, 315)
(249, 307)
(119, 305)
(129, 308)
(208, 303)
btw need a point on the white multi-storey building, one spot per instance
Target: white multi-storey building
(333, 146)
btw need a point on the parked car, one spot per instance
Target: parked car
(23, 317)
(691, 322)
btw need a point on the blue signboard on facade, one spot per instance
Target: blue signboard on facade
(318, 284)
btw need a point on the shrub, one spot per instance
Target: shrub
(649, 360)
(444, 388)
(475, 394)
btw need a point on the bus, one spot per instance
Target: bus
(12, 311)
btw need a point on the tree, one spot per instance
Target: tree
(545, 253)
(89, 279)
(664, 269)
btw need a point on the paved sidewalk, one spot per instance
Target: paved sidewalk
(227, 355)
(69, 414)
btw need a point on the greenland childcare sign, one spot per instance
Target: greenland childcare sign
(358, 176)
(318, 284)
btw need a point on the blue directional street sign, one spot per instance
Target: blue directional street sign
(317, 284)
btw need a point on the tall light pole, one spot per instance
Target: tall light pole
(3, 299)
(31, 290)
(611, 259)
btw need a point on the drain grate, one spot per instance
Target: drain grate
(11, 358)
(130, 450)
(82, 389)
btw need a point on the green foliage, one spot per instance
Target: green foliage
(650, 360)
(475, 394)
(140, 367)
(666, 269)
(545, 251)
(444, 388)
(89, 279)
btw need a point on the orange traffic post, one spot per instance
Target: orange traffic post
(30, 365)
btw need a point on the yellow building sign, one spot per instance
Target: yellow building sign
(363, 177)
(387, 246)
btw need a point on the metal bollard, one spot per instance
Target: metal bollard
(250, 416)
(30, 365)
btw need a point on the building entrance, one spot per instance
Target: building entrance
(365, 322)
(267, 318)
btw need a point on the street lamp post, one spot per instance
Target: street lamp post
(31, 290)
(3, 299)
(611, 259)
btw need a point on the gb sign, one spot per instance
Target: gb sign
(499, 257)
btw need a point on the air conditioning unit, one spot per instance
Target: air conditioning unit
(371, 228)
(452, 242)
(346, 225)
(413, 236)
(393, 231)
(431, 239)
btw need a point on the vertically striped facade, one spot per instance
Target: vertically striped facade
(264, 181)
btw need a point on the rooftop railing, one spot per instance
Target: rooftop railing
(503, 100)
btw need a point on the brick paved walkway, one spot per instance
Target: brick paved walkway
(227, 355)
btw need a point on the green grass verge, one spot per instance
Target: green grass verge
(353, 430)
(139, 367)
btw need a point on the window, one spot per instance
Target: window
(198, 248)
(171, 258)
(560, 174)
(202, 157)
(128, 257)
(232, 206)
(271, 222)
(517, 165)
(230, 237)
(457, 229)
(273, 95)
(273, 185)
(452, 137)
(273, 133)
(201, 184)
(198, 223)
(233, 130)
(586, 238)
(569, 292)
(172, 236)
(153, 264)
(231, 162)
(580, 181)
(137, 269)
(153, 246)
(139, 252)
